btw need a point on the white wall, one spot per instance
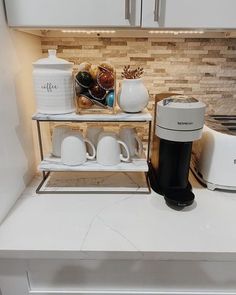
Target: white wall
(17, 156)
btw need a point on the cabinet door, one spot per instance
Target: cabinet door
(151, 13)
(73, 13)
(189, 13)
(13, 277)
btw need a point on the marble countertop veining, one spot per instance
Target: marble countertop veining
(118, 226)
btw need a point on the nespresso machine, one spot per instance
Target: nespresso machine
(178, 122)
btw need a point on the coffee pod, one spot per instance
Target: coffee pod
(97, 92)
(102, 103)
(110, 98)
(78, 88)
(94, 71)
(84, 79)
(84, 66)
(84, 102)
(106, 80)
(104, 67)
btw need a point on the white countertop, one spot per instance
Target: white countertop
(120, 226)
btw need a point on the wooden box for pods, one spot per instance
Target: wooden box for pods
(95, 88)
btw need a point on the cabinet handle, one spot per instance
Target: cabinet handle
(156, 10)
(127, 9)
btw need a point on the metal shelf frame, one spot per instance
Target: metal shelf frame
(45, 174)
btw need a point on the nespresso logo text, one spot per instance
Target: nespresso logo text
(185, 123)
(49, 87)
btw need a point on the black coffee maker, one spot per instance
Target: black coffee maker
(178, 122)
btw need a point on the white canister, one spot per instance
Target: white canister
(53, 83)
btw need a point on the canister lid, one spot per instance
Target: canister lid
(52, 59)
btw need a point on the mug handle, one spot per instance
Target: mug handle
(139, 150)
(125, 159)
(93, 148)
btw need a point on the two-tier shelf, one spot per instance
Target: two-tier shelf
(52, 164)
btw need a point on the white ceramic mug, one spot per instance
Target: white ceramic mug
(134, 143)
(92, 134)
(58, 134)
(109, 150)
(74, 150)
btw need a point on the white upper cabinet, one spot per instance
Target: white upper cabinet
(73, 13)
(151, 12)
(189, 13)
(122, 13)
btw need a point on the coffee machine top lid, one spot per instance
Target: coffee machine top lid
(180, 118)
(181, 101)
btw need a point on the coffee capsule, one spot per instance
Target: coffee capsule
(78, 88)
(84, 102)
(84, 79)
(110, 98)
(94, 71)
(97, 92)
(84, 66)
(104, 67)
(102, 103)
(106, 80)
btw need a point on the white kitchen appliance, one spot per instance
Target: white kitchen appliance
(178, 122)
(214, 155)
(53, 83)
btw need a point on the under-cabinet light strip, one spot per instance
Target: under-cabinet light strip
(176, 32)
(171, 32)
(89, 31)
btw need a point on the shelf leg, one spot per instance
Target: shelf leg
(148, 183)
(40, 145)
(149, 140)
(45, 176)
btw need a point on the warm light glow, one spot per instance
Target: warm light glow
(176, 32)
(89, 31)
